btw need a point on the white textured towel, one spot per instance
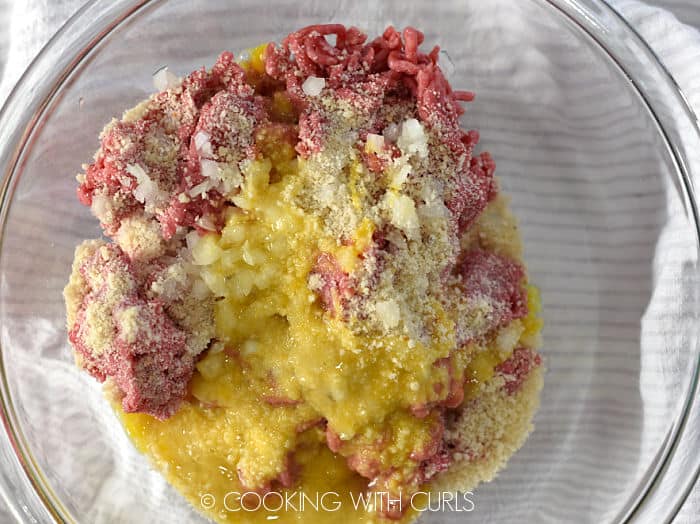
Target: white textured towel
(26, 25)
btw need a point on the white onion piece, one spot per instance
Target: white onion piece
(163, 79)
(202, 144)
(205, 222)
(326, 193)
(201, 188)
(147, 191)
(210, 169)
(434, 206)
(401, 174)
(412, 139)
(200, 291)
(230, 177)
(192, 240)
(389, 313)
(403, 214)
(313, 85)
(391, 133)
(375, 143)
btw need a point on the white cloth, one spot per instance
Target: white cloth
(25, 27)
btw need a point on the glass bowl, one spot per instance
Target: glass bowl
(595, 144)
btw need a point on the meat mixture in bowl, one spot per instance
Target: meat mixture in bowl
(311, 283)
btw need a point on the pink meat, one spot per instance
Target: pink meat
(453, 389)
(280, 401)
(497, 281)
(312, 132)
(428, 460)
(472, 191)
(333, 440)
(517, 368)
(153, 371)
(363, 73)
(228, 120)
(220, 120)
(334, 288)
(436, 463)
(169, 120)
(149, 366)
(368, 75)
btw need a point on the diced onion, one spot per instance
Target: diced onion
(400, 173)
(326, 193)
(147, 191)
(388, 313)
(434, 206)
(313, 85)
(230, 177)
(163, 79)
(205, 222)
(412, 139)
(375, 143)
(225, 177)
(200, 290)
(192, 240)
(202, 144)
(210, 169)
(249, 347)
(201, 188)
(403, 213)
(391, 133)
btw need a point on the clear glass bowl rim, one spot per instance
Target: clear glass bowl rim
(23, 486)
